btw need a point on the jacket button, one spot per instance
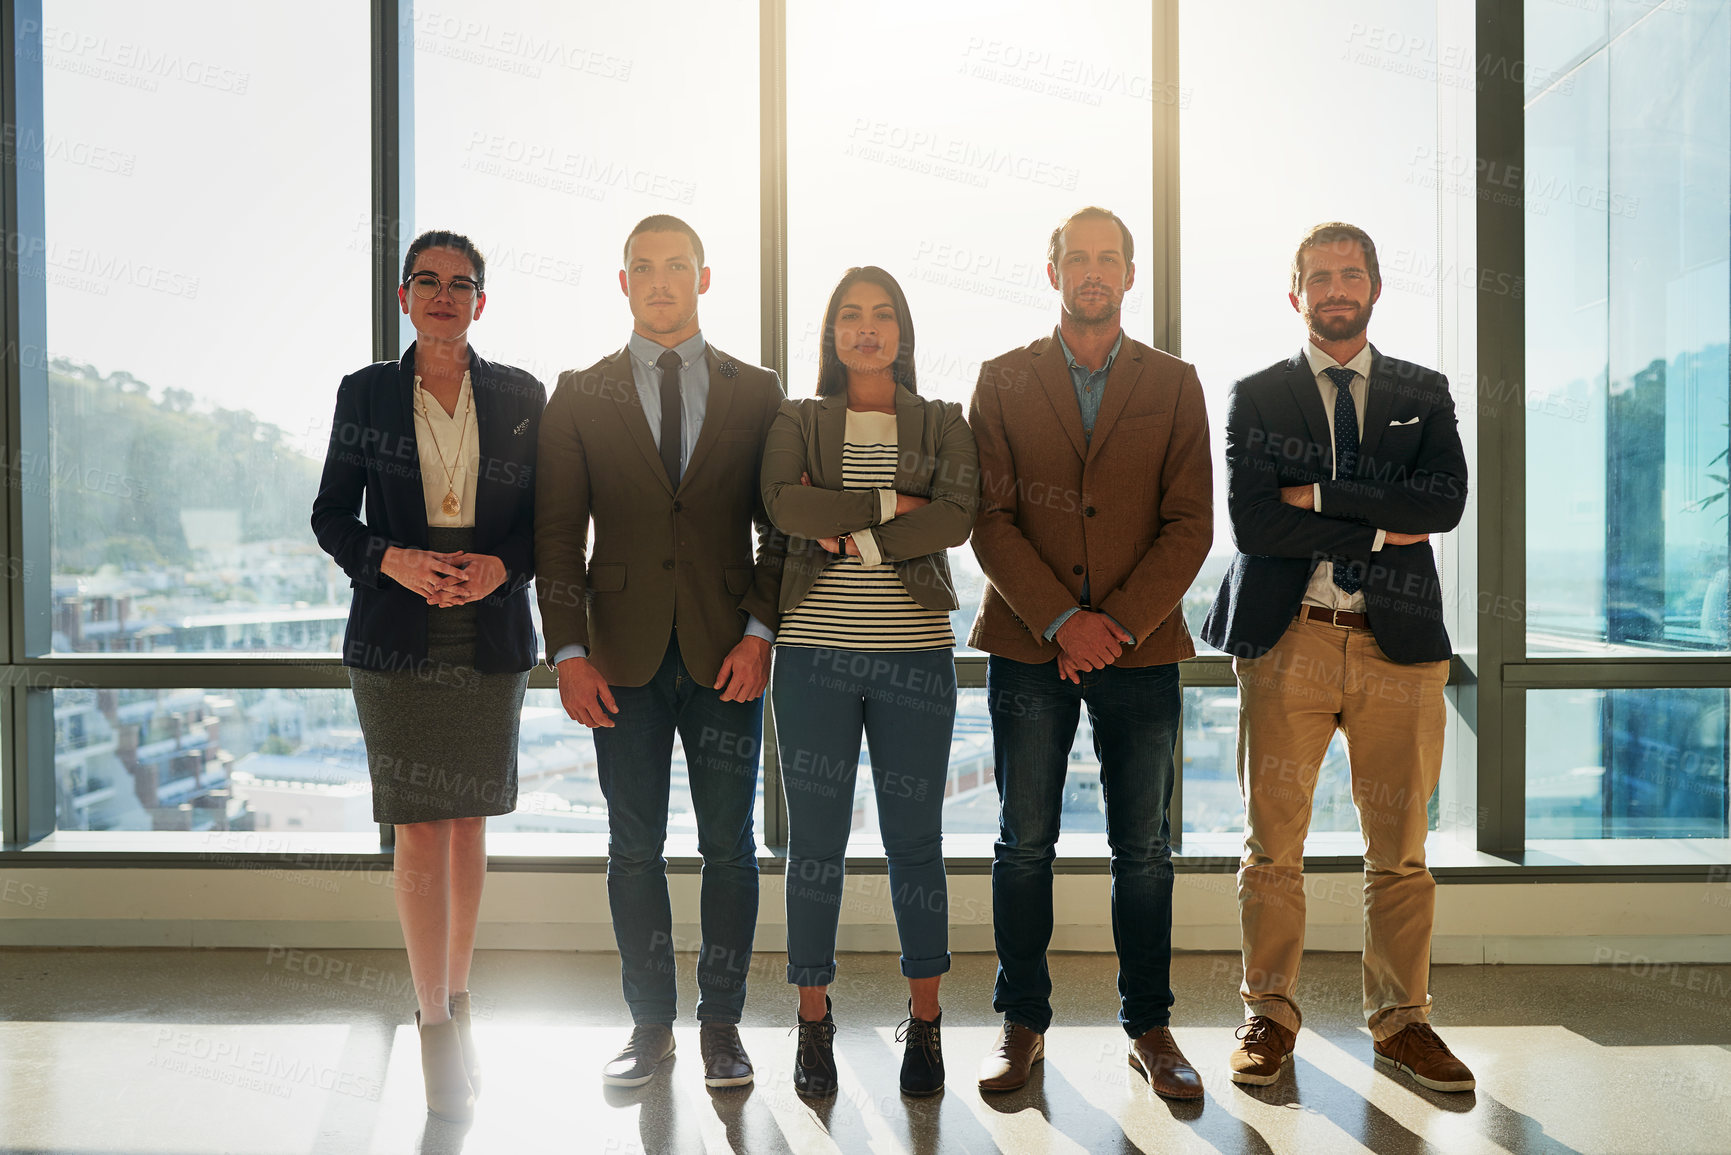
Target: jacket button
(1076, 569)
(668, 564)
(1089, 512)
(677, 507)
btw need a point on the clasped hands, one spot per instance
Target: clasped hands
(1303, 496)
(444, 579)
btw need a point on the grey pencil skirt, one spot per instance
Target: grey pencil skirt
(441, 738)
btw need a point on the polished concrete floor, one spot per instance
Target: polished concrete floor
(201, 1052)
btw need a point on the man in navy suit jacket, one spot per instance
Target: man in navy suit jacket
(1340, 464)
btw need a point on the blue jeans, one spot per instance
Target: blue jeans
(634, 759)
(905, 702)
(1135, 714)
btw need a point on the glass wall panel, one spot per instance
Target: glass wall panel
(546, 131)
(1628, 339)
(291, 761)
(1626, 763)
(1325, 113)
(948, 160)
(206, 267)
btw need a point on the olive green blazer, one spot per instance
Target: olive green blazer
(661, 552)
(936, 459)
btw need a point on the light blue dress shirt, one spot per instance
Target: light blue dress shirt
(1090, 387)
(694, 401)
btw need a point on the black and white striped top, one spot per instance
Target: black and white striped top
(853, 605)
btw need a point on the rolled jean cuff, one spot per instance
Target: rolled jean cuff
(811, 976)
(1279, 1010)
(1137, 1029)
(925, 968)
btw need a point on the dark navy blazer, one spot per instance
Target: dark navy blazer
(1411, 478)
(373, 451)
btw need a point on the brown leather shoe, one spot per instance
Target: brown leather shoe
(1157, 1057)
(1419, 1053)
(1006, 1065)
(1264, 1047)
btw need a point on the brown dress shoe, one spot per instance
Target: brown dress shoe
(1006, 1065)
(1419, 1053)
(1264, 1047)
(1157, 1057)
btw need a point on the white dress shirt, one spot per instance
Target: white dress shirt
(448, 440)
(1322, 591)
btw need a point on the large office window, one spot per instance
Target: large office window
(206, 270)
(545, 132)
(1325, 114)
(946, 152)
(1628, 321)
(1628, 327)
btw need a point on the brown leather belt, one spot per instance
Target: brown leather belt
(1334, 617)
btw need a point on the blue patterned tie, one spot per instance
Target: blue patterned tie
(1345, 455)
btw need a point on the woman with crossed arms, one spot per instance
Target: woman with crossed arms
(872, 484)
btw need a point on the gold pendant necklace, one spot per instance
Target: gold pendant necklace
(452, 505)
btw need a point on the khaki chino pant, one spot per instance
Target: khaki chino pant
(1290, 701)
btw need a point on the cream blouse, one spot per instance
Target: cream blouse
(450, 450)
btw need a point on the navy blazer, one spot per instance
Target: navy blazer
(374, 451)
(1411, 478)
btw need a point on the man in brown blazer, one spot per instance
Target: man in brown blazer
(665, 626)
(1096, 514)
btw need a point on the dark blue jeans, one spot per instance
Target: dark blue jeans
(634, 759)
(1135, 715)
(905, 703)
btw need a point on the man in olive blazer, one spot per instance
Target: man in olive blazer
(664, 626)
(1097, 512)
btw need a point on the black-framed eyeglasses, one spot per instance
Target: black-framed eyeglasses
(426, 286)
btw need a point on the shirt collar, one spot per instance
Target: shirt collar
(649, 352)
(1319, 360)
(1110, 357)
(462, 390)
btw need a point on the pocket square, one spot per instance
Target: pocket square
(523, 426)
(1408, 421)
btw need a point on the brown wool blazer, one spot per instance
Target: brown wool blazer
(935, 459)
(660, 554)
(1132, 509)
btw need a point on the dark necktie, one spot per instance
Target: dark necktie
(1345, 455)
(672, 415)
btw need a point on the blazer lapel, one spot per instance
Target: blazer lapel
(721, 391)
(623, 386)
(831, 437)
(1304, 392)
(1120, 383)
(491, 433)
(1378, 402)
(1054, 374)
(413, 497)
(910, 442)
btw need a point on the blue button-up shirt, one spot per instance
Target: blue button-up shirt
(1090, 388)
(693, 386)
(1090, 383)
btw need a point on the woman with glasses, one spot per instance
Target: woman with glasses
(873, 484)
(439, 449)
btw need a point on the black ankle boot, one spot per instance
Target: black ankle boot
(814, 1063)
(923, 1058)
